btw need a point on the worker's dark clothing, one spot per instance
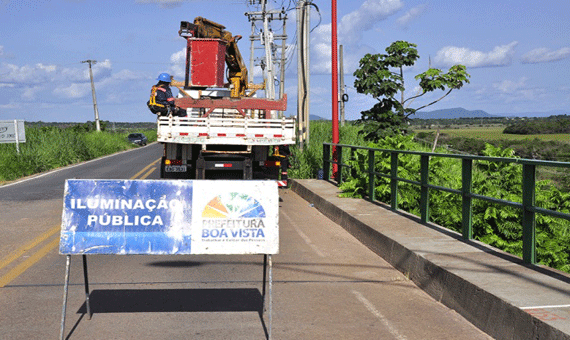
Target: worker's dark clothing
(162, 101)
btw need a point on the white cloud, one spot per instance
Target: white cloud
(162, 3)
(544, 55)
(39, 74)
(499, 56)
(411, 15)
(31, 92)
(516, 91)
(1, 50)
(509, 86)
(73, 91)
(178, 61)
(350, 29)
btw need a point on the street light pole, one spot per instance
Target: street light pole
(97, 124)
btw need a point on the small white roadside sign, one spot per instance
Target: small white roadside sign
(12, 131)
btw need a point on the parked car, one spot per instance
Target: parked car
(137, 138)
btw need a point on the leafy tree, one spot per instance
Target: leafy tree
(382, 77)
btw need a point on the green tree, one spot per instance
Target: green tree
(382, 77)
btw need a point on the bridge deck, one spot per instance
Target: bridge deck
(494, 290)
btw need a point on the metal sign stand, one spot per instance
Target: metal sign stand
(267, 264)
(17, 136)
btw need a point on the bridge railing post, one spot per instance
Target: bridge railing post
(394, 180)
(467, 201)
(424, 196)
(326, 161)
(371, 176)
(340, 165)
(528, 218)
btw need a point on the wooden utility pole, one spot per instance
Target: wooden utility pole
(97, 124)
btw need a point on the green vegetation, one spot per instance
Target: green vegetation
(551, 125)
(50, 147)
(489, 133)
(305, 163)
(496, 225)
(472, 140)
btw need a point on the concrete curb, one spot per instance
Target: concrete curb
(480, 304)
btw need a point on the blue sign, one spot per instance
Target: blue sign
(169, 217)
(126, 217)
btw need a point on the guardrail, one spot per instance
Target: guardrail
(528, 205)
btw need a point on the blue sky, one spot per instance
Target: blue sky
(517, 52)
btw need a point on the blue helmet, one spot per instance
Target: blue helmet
(164, 77)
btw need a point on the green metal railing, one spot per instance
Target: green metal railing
(528, 205)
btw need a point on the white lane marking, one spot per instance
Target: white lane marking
(36, 176)
(379, 315)
(542, 307)
(303, 236)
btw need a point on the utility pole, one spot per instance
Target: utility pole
(267, 39)
(97, 124)
(268, 43)
(283, 60)
(303, 71)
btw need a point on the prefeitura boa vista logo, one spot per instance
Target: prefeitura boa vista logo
(233, 216)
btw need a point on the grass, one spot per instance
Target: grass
(48, 148)
(305, 163)
(495, 133)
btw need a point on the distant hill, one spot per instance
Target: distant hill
(457, 112)
(315, 117)
(536, 114)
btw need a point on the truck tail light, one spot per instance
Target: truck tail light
(172, 162)
(272, 163)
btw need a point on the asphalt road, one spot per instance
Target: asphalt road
(326, 284)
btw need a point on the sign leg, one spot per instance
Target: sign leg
(86, 280)
(264, 281)
(270, 294)
(65, 291)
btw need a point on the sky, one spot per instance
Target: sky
(516, 51)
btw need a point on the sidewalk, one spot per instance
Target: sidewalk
(494, 290)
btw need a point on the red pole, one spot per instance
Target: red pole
(334, 65)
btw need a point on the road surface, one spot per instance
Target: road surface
(326, 284)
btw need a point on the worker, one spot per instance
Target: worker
(161, 100)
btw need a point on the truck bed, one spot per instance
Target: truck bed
(228, 131)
